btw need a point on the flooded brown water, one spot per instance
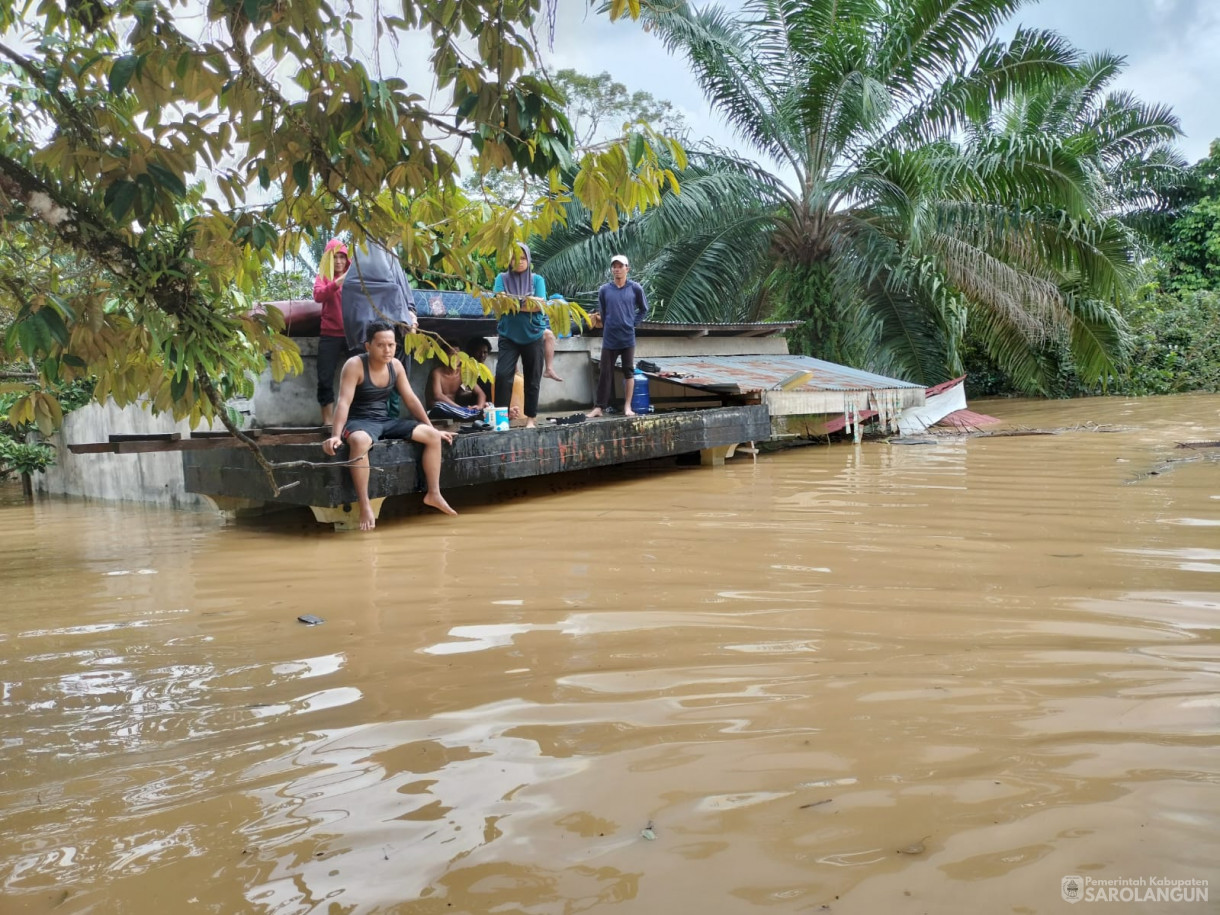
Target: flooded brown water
(846, 679)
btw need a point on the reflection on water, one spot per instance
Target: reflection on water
(876, 678)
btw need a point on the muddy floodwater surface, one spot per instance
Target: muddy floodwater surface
(869, 678)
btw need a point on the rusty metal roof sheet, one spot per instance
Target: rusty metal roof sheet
(751, 374)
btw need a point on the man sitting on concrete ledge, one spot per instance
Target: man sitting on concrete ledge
(361, 418)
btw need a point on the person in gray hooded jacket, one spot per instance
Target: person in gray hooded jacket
(375, 289)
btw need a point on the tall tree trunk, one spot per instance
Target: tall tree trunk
(806, 293)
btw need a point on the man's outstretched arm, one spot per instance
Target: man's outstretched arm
(347, 390)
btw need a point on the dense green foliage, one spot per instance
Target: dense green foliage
(116, 265)
(1190, 238)
(1172, 344)
(19, 456)
(1173, 348)
(1176, 344)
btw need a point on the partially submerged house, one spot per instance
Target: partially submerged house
(713, 387)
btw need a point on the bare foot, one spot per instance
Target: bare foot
(629, 412)
(530, 423)
(368, 520)
(594, 413)
(438, 502)
(550, 373)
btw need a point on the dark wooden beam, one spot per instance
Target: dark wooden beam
(148, 444)
(146, 437)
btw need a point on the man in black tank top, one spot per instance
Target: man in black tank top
(362, 418)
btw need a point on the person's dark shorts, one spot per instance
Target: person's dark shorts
(379, 429)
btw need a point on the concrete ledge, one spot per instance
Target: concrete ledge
(486, 457)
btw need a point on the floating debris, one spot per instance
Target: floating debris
(1165, 466)
(310, 620)
(1010, 433)
(648, 833)
(825, 800)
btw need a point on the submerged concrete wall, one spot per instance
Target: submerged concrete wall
(151, 478)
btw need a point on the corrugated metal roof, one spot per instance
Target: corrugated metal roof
(967, 420)
(751, 374)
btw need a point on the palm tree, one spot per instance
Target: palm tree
(912, 198)
(686, 250)
(1118, 152)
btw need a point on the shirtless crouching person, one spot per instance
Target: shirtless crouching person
(362, 418)
(445, 389)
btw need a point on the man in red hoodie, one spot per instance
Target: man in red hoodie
(332, 344)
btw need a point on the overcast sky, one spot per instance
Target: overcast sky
(1172, 49)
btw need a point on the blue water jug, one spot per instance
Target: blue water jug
(639, 397)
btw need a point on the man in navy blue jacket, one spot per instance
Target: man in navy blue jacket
(621, 308)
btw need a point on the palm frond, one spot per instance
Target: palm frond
(1009, 349)
(1094, 74)
(710, 276)
(926, 40)
(1031, 305)
(1019, 69)
(1098, 340)
(719, 52)
(910, 342)
(1029, 171)
(1124, 127)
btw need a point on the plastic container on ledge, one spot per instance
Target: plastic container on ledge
(640, 402)
(496, 418)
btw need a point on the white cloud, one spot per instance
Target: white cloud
(591, 44)
(1170, 50)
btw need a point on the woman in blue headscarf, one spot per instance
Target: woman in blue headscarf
(521, 333)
